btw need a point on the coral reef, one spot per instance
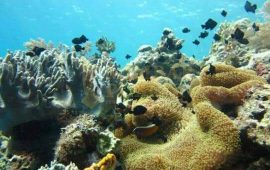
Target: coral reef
(202, 141)
(227, 85)
(83, 141)
(237, 54)
(265, 10)
(57, 166)
(164, 60)
(36, 88)
(104, 45)
(106, 163)
(101, 82)
(253, 117)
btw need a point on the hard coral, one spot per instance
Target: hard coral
(204, 141)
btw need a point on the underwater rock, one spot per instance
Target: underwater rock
(253, 116)
(77, 141)
(185, 83)
(145, 48)
(237, 54)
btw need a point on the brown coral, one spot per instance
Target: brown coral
(204, 140)
(227, 86)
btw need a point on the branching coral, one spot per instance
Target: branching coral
(104, 45)
(31, 44)
(101, 83)
(204, 140)
(106, 163)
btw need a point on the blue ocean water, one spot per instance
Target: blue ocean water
(128, 23)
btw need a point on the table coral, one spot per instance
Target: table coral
(204, 141)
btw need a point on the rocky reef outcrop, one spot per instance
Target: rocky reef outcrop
(164, 60)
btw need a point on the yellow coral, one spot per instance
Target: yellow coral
(166, 107)
(106, 163)
(206, 139)
(227, 86)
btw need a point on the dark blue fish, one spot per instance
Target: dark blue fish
(139, 110)
(250, 7)
(212, 70)
(239, 36)
(255, 27)
(78, 48)
(79, 40)
(196, 42)
(203, 34)
(128, 56)
(223, 13)
(186, 30)
(217, 37)
(209, 24)
(38, 50)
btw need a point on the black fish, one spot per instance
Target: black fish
(136, 96)
(255, 27)
(146, 76)
(79, 40)
(128, 56)
(217, 37)
(186, 97)
(239, 36)
(226, 41)
(166, 32)
(193, 56)
(223, 13)
(139, 110)
(185, 30)
(156, 120)
(209, 24)
(78, 48)
(203, 34)
(212, 70)
(154, 97)
(100, 41)
(250, 7)
(196, 42)
(120, 106)
(120, 123)
(30, 53)
(38, 50)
